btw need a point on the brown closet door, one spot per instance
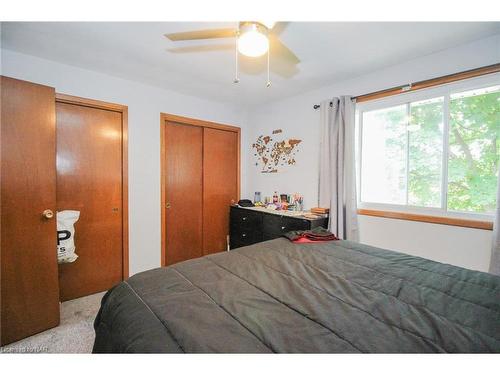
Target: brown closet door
(29, 286)
(183, 192)
(89, 180)
(220, 186)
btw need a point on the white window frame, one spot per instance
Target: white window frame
(445, 91)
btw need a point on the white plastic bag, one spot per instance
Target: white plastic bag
(66, 236)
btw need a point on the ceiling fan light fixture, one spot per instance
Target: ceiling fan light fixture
(252, 41)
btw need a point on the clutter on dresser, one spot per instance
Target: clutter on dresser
(280, 202)
(312, 216)
(257, 197)
(320, 210)
(245, 203)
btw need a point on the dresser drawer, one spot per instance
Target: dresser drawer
(270, 236)
(246, 219)
(246, 236)
(239, 238)
(275, 226)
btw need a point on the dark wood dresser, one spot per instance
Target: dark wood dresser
(250, 225)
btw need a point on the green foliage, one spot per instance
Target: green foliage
(474, 152)
(426, 145)
(395, 149)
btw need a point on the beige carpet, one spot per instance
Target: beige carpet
(75, 334)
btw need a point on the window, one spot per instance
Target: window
(434, 151)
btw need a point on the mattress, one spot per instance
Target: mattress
(282, 297)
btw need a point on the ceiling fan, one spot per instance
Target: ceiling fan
(253, 39)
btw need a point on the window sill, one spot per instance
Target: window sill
(466, 223)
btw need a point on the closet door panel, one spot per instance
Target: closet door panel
(220, 186)
(29, 285)
(183, 192)
(89, 180)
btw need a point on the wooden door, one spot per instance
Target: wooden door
(220, 186)
(183, 192)
(29, 285)
(89, 180)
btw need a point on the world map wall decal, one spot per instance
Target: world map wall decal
(274, 152)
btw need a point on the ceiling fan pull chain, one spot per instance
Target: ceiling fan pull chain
(268, 84)
(236, 79)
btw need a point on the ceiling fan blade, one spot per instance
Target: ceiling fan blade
(284, 69)
(202, 34)
(280, 51)
(279, 27)
(209, 48)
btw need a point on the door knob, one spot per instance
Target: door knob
(48, 214)
(168, 205)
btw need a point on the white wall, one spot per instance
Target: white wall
(144, 106)
(463, 247)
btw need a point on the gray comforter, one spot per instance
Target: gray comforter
(278, 296)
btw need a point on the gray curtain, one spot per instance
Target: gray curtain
(337, 171)
(495, 247)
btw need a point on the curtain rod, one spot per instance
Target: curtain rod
(316, 106)
(490, 69)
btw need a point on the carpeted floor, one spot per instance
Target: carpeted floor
(75, 334)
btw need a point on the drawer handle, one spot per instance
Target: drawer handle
(244, 218)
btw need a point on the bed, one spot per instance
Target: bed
(282, 297)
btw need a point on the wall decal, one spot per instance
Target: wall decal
(276, 152)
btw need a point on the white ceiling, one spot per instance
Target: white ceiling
(329, 52)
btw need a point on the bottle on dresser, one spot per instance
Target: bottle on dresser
(275, 198)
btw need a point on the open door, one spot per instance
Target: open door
(29, 284)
